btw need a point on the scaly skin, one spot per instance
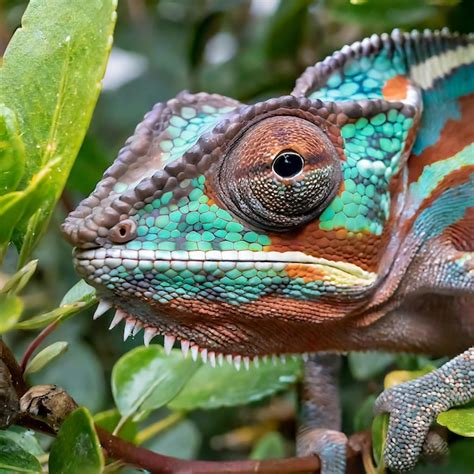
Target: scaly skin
(337, 218)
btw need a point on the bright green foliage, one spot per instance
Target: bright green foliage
(45, 356)
(76, 449)
(50, 79)
(12, 154)
(109, 420)
(224, 386)
(13, 458)
(11, 307)
(379, 439)
(146, 378)
(18, 281)
(78, 298)
(459, 420)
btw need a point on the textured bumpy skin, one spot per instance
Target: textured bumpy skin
(337, 218)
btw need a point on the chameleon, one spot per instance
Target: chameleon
(337, 218)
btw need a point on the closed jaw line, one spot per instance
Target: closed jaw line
(133, 327)
(241, 259)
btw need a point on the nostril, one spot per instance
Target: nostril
(123, 232)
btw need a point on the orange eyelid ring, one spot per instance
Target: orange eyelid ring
(123, 232)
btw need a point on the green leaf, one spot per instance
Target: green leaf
(270, 446)
(76, 449)
(146, 378)
(10, 310)
(81, 291)
(366, 365)
(379, 439)
(11, 209)
(225, 386)
(19, 280)
(397, 377)
(109, 420)
(45, 356)
(13, 458)
(50, 79)
(23, 438)
(12, 152)
(459, 420)
(58, 314)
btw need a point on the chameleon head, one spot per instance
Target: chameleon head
(223, 225)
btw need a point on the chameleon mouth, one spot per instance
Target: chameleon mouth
(133, 327)
(159, 259)
(91, 261)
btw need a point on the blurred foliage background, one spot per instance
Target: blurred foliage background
(249, 50)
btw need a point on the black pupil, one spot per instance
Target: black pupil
(122, 231)
(288, 164)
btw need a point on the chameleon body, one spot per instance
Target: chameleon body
(337, 218)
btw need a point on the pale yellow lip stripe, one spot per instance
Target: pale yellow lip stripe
(275, 260)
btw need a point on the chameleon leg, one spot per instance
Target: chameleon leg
(414, 406)
(320, 419)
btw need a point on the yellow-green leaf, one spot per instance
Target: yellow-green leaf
(12, 152)
(45, 356)
(397, 377)
(379, 439)
(10, 310)
(57, 314)
(50, 79)
(19, 280)
(459, 420)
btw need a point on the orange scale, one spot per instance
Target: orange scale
(307, 272)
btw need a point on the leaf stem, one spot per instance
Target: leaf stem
(152, 430)
(120, 425)
(35, 344)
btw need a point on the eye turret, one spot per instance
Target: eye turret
(281, 173)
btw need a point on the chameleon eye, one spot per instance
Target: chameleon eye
(123, 232)
(281, 173)
(288, 164)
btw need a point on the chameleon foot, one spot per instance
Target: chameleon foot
(413, 406)
(328, 445)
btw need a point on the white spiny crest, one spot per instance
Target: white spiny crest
(133, 326)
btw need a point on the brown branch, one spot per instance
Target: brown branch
(9, 360)
(117, 448)
(35, 344)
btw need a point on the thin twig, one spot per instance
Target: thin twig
(35, 344)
